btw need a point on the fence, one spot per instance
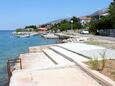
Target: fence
(11, 66)
(107, 32)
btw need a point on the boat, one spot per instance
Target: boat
(23, 36)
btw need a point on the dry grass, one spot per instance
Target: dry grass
(108, 70)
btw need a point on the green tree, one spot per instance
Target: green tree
(112, 13)
(55, 27)
(106, 22)
(76, 23)
(103, 23)
(93, 27)
(34, 27)
(31, 26)
(20, 30)
(64, 25)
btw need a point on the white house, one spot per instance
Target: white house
(84, 20)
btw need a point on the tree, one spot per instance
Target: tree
(20, 30)
(54, 27)
(31, 26)
(76, 23)
(106, 22)
(112, 13)
(64, 25)
(103, 23)
(34, 27)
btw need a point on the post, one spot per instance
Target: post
(71, 24)
(8, 71)
(20, 63)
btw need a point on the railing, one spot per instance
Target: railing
(11, 66)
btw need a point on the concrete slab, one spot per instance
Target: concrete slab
(80, 46)
(36, 61)
(89, 50)
(69, 54)
(55, 77)
(21, 78)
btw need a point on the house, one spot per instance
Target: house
(85, 20)
(42, 29)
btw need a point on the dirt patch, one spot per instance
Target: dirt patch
(109, 68)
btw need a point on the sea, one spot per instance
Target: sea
(11, 47)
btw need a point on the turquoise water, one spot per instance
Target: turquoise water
(11, 47)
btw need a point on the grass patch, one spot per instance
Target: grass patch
(97, 64)
(93, 42)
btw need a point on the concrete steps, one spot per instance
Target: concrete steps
(56, 66)
(68, 55)
(60, 60)
(35, 61)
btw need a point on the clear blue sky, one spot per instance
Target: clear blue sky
(18, 13)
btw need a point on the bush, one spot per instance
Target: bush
(94, 63)
(97, 64)
(103, 61)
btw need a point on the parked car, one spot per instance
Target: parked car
(84, 32)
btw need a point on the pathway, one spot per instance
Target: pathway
(55, 66)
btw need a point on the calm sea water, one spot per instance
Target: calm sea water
(11, 47)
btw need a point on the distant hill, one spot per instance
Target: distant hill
(100, 12)
(59, 20)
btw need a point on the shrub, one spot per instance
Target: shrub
(94, 63)
(103, 61)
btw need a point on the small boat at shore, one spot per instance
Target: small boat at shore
(23, 36)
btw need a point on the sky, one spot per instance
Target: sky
(19, 13)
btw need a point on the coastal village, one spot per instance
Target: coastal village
(83, 55)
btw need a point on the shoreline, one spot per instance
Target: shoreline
(42, 48)
(16, 46)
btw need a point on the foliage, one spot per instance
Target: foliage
(55, 27)
(97, 64)
(64, 25)
(103, 23)
(94, 63)
(112, 13)
(103, 61)
(76, 23)
(107, 22)
(93, 27)
(28, 28)
(93, 42)
(31, 28)
(20, 30)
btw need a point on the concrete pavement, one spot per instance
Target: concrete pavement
(40, 70)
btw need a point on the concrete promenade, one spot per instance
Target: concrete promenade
(55, 65)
